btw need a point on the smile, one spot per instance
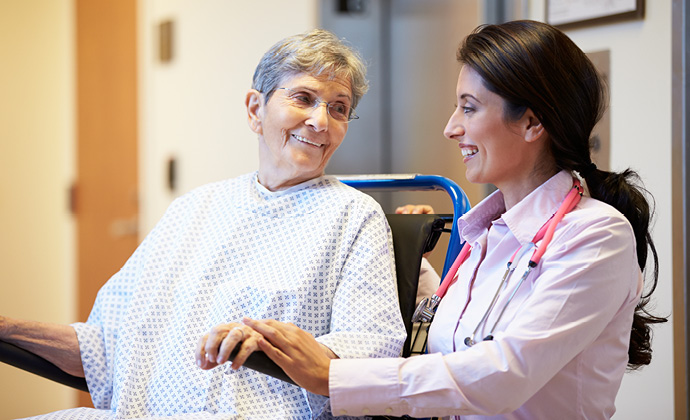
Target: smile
(303, 140)
(469, 151)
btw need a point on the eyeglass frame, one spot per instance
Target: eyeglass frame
(351, 115)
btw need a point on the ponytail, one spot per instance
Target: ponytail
(623, 191)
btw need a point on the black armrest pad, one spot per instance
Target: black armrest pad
(261, 363)
(25, 360)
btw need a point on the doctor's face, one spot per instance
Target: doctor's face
(493, 149)
(296, 141)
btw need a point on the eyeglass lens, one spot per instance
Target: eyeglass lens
(304, 100)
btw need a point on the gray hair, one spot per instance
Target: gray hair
(317, 53)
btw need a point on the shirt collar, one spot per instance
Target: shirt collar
(525, 218)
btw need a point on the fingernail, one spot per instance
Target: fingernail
(210, 358)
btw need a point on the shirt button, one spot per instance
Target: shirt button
(365, 411)
(343, 412)
(389, 410)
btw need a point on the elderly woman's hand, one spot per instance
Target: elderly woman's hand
(415, 209)
(214, 348)
(304, 360)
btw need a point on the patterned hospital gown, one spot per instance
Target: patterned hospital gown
(318, 254)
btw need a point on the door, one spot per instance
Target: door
(105, 194)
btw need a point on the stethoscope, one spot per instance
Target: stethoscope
(427, 307)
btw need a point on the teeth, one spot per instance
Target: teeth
(469, 152)
(303, 140)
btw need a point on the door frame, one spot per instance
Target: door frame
(680, 211)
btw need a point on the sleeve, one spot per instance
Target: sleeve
(97, 371)
(583, 283)
(429, 281)
(98, 336)
(365, 315)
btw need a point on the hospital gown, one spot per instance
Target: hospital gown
(318, 255)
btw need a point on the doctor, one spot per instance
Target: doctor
(555, 335)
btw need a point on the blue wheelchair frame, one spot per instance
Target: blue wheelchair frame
(418, 182)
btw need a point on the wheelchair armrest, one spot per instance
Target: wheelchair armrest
(261, 363)
(28, 361)
(25, 360)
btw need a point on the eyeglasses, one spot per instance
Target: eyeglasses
(305, 100)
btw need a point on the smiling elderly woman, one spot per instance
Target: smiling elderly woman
(286, 242)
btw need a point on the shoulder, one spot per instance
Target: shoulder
(214, 193)
(591, 211)
(345, 195)
(595, 221)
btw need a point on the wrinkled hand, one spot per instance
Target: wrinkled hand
(214, 348)
(305, 360)
(415, 209)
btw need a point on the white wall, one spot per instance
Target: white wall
(641, 139)
(193, 107)
(36, 167)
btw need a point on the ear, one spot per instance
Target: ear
(254, 104)
(533, 129)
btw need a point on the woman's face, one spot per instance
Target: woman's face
(495, 151)
(296, 143)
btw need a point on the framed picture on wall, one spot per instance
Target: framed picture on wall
(572, 13)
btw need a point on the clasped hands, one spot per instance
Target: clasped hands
(303, 359)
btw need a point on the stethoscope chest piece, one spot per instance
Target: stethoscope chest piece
(426, 309)
(469, 342)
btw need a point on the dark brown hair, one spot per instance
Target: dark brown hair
(534, 65)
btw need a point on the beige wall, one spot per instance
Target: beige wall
(36, 167)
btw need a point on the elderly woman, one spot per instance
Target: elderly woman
(286, 242)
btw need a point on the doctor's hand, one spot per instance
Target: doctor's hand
(303, 359)
(415, 209)
(214, 348)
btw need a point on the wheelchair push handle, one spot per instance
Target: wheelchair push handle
(418, 182)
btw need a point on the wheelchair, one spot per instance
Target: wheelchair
(413, 236)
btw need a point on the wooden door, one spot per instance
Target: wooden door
(105, 194)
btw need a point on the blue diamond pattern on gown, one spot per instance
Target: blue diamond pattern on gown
(318, 255)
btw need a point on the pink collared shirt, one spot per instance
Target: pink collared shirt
(559, 349)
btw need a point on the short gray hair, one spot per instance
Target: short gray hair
(317, 53)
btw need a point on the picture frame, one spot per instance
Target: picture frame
(576, 13)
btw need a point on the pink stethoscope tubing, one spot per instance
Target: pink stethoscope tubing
(427, 307)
